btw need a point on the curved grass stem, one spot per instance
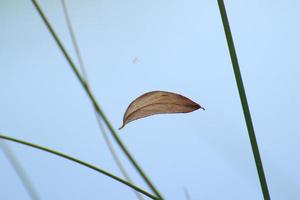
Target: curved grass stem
(79, 162)
(94, 102)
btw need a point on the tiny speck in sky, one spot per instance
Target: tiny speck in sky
(135, 60)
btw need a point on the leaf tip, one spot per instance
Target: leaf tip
(122, 126)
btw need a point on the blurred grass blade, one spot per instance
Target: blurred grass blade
(19, 171)
(74, 41)
(80, 162)
(186, 194)
(115, 157)
(85, 77)
(94, 102)
(244, 102)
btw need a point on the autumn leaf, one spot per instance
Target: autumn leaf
(158, 102)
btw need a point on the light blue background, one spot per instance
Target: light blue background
(180, 46)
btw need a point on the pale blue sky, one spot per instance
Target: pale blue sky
(181, 48)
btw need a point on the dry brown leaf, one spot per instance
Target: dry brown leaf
(158, 102)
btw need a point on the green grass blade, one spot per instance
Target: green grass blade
(115, 157)
(85, 77)
(244, 102)
(19, 171)
(79, 162)
(94, 102)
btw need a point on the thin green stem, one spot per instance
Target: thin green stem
(74, 42)
(20, 171)
(79, 162)
(244, 102)
(85, 77)
(94, 102)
